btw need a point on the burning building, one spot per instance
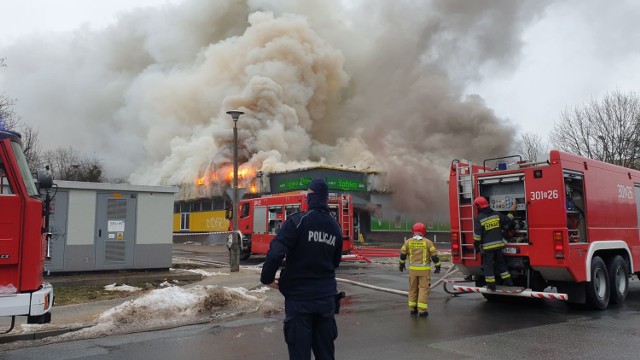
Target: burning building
(320, 86)
(374, 217)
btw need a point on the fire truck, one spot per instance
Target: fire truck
(23, 236)
(575, 233)
(261, 218)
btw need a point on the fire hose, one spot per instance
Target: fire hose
(450, 271)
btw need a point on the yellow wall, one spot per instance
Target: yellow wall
(176, 222)
(204, 221)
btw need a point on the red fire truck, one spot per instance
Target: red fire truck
(575, 233)
(261, 218)
(23, 236)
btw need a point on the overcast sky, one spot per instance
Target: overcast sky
(403, 90)
(578, 50)
(20, 17)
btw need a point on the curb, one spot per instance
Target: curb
(77, 280)
(9, 338)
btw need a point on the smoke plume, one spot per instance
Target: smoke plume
(377, 85)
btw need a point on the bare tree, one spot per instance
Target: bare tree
(530, 146)
(8, 119)
(31, 146)
(11, 121)
(67, 164)
(606, 130)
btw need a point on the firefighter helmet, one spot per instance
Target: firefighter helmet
(481, 202)
(419, 228)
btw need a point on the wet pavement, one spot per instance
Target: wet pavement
(376, 325)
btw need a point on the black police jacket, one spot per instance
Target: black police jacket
(311, 242)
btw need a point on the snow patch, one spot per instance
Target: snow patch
(207, 273)
(172, 306)
(123, 287)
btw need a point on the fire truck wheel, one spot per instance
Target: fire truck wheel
(245, 256)
(618, 280)
(598, 290)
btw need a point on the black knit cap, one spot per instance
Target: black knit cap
(320, 189)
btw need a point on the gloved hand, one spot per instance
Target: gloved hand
(477, 246)
(401, 267)
(437, 271)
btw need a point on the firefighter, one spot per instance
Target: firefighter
(489, 241)
(421, 252)
(312, 243)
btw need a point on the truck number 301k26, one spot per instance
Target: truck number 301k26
(545, 194)
(625, 192)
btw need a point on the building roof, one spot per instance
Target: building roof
(326, 167)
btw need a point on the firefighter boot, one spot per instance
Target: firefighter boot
(508, 282)
(424, 314)
(491, 286)
(413, 311)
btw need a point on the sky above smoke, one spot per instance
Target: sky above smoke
(378, 85)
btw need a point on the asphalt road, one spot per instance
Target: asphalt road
(376, 325)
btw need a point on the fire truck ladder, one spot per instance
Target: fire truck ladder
(346, 220)
(464, 177)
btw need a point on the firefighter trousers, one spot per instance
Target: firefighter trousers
(309, 325)
(419, 286)
(493, 261)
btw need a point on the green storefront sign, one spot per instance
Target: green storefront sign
(334, 184)
(295, 184)
(405, 225)
(346, 184)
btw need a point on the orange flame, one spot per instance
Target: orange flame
(224, 176)
(244, 172)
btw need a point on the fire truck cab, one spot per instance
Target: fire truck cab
(260, 219)
(575, 234)
(23, 236)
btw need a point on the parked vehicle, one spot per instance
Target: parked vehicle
(24, 220)
(575, 234)
(260, 219)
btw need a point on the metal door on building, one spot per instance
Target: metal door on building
(115, 230)
(58, 229)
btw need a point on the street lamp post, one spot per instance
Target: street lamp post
(234, 254)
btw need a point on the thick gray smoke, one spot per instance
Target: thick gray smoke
(370, 85)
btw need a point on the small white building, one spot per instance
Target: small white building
(101, 226)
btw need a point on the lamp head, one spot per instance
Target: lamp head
(235, 114)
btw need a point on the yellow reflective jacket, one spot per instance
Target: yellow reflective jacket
(420, 251)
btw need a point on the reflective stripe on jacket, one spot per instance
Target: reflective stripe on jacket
(488, 227)
(419, 250)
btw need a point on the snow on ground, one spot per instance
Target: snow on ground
(206, 273)
(172, 306)
(123, 287)
(256, 268)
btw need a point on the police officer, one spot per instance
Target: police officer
(421, 251)
(311, 241)
(488, 240)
